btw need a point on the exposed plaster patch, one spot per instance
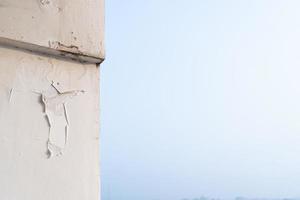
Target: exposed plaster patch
(57, 116)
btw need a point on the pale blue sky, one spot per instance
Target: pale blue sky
(201, 98)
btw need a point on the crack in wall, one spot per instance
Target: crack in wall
(11, 94)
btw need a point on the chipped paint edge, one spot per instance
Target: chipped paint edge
(58, 50)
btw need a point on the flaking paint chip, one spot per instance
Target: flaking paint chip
(56, 112)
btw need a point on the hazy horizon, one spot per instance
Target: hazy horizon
(201, 98)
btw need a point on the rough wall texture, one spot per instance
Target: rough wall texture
(49, 112)
(75, 26)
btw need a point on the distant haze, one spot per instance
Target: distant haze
(201, 98)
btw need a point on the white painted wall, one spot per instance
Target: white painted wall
(49, 105)
(27, 170)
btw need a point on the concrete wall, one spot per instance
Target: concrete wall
(69, 27)
(49, 99)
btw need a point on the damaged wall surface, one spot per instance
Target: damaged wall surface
(55, 27)
(49, 127)
(50, 51)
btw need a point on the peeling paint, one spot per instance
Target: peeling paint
(57, 116)
(44, 2)
(56, 19)
(49, 49)
(65, 48)
(11, 94)
(25, 135)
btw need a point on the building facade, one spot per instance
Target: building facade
(50, 54)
